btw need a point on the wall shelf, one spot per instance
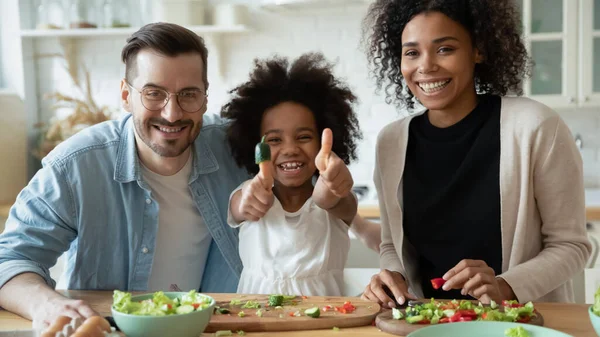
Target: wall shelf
(108, 32)
(291, 6)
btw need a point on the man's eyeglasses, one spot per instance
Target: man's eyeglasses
(155, 99)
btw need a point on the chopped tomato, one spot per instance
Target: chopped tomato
(304, 297)
(170, 306)
(437, 283)
(511, 304)
(524, 319)
(347, 308)
(424, 321)
(291, 314)
(327, 308)
(445, 320)
(465, 319)
(195, 305)
(467, 313)
(455, 318)
(484, 315)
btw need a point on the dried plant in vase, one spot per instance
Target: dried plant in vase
(85, 111)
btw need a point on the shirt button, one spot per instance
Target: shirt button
(145, 250)
(148, 201)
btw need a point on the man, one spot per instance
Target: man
(139, 203)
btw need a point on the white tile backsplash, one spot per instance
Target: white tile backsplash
(335, 33)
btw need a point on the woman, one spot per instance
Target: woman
(482, 190)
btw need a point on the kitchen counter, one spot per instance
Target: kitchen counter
(572, 319)
(592, 213)
(370, 209)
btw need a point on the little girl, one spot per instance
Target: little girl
(295, 213)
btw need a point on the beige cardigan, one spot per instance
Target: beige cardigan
(542, 202)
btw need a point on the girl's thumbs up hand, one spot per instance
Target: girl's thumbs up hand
(335, 181)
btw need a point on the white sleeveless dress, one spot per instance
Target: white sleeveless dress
(300, 253)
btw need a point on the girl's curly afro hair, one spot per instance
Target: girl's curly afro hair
(495, 29)
(308, 81)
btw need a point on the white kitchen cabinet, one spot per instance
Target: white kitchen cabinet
(563, 38)
(590, 53)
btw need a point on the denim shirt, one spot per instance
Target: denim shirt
(90, 199)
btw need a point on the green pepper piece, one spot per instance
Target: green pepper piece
(262, 152)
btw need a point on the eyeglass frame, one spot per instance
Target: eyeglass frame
(205, 93)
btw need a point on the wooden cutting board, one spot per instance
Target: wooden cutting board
(280, 319)
(385, 322)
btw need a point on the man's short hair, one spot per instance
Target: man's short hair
(166, 38)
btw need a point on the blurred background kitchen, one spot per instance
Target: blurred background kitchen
(60, 70)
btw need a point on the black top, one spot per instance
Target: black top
(451, 193)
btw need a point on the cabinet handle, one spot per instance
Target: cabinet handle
(571, 99)
(586, 98)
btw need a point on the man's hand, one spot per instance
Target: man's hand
(335, 181)
(47, 312)
(29, 296)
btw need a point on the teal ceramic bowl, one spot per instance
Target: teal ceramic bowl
(186, 325)
(595, 321)
(483, 329)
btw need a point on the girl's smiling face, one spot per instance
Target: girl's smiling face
(292, 134)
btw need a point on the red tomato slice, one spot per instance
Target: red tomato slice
(467, 313)
(455, 318)
(437, 283)
(506, 303)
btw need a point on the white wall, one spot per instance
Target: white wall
(11, 63)
(13, 119)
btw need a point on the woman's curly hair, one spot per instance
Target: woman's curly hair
(495, 29)
(308, 81)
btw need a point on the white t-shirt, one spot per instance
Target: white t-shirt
(183, 240)
(301, 253)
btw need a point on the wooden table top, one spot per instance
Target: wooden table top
(572, 319)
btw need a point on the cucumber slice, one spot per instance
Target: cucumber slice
(184, 309)
(313, 312)
(262, 152)
(414, 319)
